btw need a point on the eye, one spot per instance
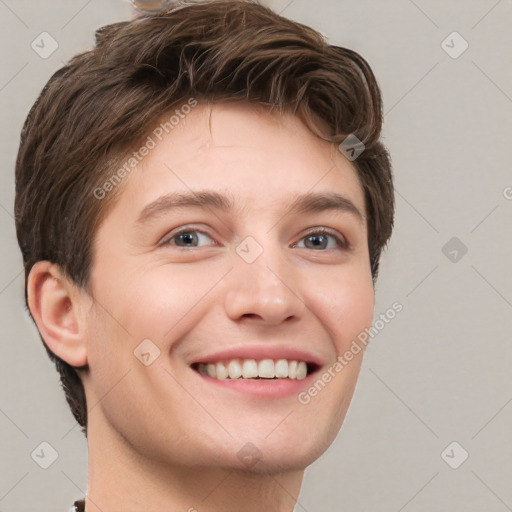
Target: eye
(319, 239)
(187, 238)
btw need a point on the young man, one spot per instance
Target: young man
(201, 202)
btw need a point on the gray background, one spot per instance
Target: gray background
(440, 371)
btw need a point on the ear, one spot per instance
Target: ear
(56, 304)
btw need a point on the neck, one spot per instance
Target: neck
(121, 478)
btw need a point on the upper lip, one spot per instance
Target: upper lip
(259, 352)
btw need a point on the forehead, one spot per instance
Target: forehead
(261, 157)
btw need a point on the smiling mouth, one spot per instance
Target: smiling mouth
(252, 369)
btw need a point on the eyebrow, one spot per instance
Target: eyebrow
(310, 202)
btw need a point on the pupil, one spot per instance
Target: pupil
(317, 238)
(187, 237)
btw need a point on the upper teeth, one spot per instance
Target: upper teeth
(251, 369)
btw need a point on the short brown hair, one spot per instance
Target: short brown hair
(103, 101)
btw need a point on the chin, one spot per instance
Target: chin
(288, 459)
(284, 453)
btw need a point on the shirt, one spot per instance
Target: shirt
(79, 506)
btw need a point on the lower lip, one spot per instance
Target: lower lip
(264, 388)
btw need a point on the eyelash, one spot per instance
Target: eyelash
(341, 241)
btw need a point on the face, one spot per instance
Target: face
(189, 287)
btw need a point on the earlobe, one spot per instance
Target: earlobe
(54, 303)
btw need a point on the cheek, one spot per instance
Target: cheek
(165, 303)
(148, 302)
(346, 307)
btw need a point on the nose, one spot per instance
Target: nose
(264, 291)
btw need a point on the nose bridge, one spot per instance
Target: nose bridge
(262, 283)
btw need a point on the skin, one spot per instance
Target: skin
(159, 436)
